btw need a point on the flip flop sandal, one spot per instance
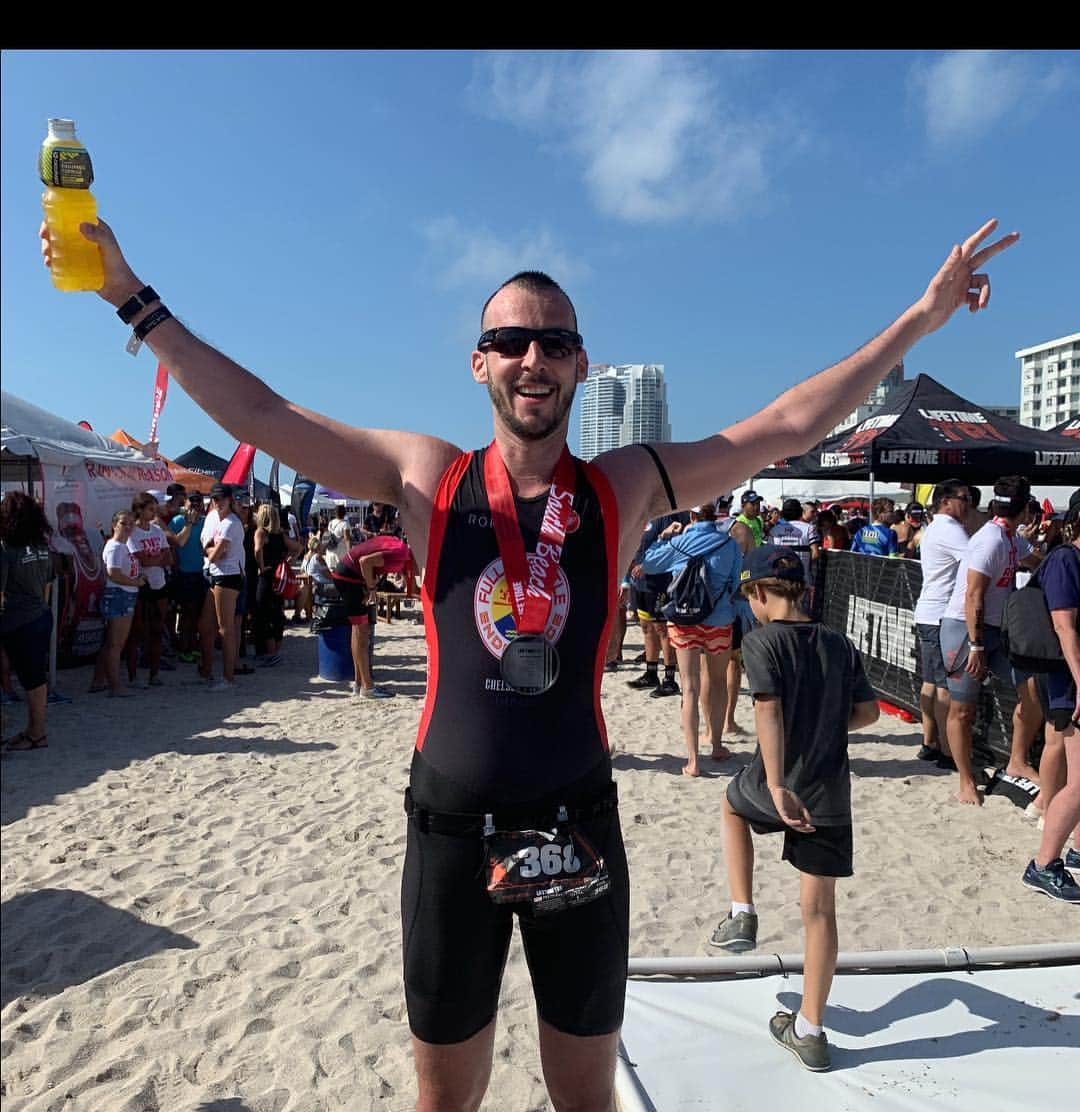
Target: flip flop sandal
(22, 742)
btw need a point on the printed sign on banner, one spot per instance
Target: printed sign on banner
(872, 600)
(80, 500)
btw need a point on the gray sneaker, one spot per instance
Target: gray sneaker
(375, 693)
(1072, 859)
(811, 1050)
(737, 934)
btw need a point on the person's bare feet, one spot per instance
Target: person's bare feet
(690, 771)
(721, 754)
(968, 793)
(734, 728)
(1022, 770)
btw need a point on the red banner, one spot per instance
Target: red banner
(161, 388)
(240, 465)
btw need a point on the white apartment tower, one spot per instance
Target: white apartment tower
(1050, 382)
(623, 405)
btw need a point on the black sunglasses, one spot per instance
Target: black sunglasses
(556, 343)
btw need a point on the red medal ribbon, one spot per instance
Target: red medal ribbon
(532, 584)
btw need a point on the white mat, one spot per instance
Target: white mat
(991, 1041)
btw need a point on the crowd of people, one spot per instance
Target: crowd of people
(188, 581)
(971, 561)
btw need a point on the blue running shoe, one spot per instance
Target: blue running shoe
(1072, 859)
(1053, 881)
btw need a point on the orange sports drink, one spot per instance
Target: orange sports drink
(66, 170)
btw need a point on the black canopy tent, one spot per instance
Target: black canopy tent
(206, 463)
(1069, 427)
(926, 430)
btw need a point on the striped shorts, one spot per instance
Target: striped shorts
(710, 639)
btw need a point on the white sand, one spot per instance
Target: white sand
(200, 891)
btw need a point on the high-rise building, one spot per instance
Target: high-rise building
(1050, 382)
(874, 400)
(624, 404)
(1012, 412)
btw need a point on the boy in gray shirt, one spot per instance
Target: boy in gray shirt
(797, 782)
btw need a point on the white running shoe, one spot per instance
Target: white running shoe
(224, 685)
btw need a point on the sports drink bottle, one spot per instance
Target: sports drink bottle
(66, 170)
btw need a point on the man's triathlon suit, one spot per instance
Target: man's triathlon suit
(483, 748)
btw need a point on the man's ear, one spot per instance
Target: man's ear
(582, 365)
(479, 367)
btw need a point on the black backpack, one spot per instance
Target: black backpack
(690, 599)
(1027, 630)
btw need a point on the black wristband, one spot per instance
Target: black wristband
(146, 326)
(146, 296)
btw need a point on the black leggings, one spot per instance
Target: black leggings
(269, 612)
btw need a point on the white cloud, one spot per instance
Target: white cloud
(966, 93)
(465, 256)
(657, 138)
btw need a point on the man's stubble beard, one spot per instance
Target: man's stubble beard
(505, 410)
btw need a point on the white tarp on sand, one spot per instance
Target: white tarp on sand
(991, 1040)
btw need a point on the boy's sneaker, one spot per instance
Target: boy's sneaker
(811, 1050)
(736, 933)
(667, 687)
(1053, 881)
(928, 753)
(223, 685)
(1072, 859)
(647, 679)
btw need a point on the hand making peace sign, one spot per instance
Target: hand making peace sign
(957, 282)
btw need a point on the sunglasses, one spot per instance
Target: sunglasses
(556, 343)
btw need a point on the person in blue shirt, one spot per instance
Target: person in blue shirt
(878, 539)
(188, 584)
(711, 639)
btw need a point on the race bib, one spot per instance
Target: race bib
(549, 870)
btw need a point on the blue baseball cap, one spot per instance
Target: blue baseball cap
(770, 561)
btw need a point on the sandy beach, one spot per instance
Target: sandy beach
(201, 891)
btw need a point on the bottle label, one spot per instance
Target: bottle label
(67, 168)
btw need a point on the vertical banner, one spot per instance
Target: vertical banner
(240, 465)
(275, 494)
(303, 493)
(161, 388)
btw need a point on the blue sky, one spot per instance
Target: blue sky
(335, 220)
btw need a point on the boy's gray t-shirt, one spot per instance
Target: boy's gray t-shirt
(818, 676)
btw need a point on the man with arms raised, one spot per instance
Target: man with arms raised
(511, 738)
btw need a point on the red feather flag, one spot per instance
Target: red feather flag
(240, 465)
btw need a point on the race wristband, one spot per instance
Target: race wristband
(144, 328)
(146, 296)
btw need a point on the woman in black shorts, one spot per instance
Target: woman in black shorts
(26, 569)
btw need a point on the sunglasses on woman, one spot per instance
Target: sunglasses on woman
(513, 342)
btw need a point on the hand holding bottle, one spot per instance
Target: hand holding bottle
(118, 281)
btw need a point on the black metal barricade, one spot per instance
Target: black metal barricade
(872, 600)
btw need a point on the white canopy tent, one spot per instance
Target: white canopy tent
(83, 478)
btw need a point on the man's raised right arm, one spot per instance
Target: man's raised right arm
(378, 464)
